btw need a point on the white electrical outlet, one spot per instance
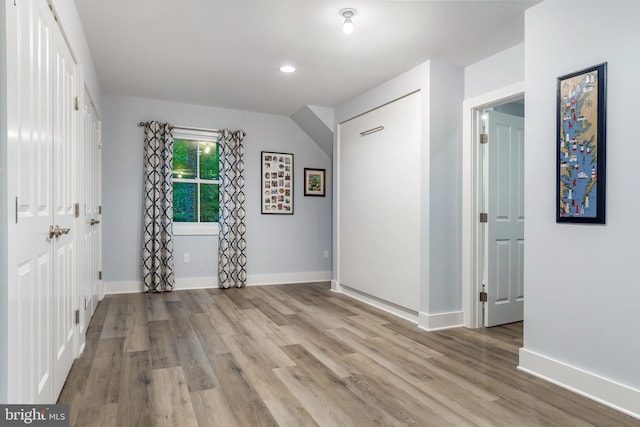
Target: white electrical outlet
(187, 258)
(326, 254)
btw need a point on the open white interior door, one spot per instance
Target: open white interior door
(504, 258)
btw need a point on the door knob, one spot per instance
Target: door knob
(94, 221)
(57, 231)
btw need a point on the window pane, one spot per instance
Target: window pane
(185, 158)
(209, 204)
(208, 160)
(185, 202)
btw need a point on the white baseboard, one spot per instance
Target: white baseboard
(286, 278)
(122, 287)
(134, 286)
(610, 393)
(383, 305)
(196, 282)
(436, 322)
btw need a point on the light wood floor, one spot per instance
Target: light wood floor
(300, 355)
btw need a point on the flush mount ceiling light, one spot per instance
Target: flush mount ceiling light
(348, 13)
(287, 69)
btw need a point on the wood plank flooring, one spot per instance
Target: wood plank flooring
(300, 355)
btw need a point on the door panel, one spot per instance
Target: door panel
(30, 258)
(92, 204)
(64, 139)
(505, 248)
(503, 271)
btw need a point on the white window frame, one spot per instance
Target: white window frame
(195, 228)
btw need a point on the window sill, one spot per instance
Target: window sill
(187, 229)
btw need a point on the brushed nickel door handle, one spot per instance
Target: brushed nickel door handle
(57, 231)
(94, 221)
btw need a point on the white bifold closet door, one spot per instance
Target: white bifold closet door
(41, 122)
(379, 183)
(90, 218)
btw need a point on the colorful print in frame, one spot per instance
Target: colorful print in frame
(315, 182)
(581, 142)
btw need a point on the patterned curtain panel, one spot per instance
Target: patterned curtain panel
(157, 250)
(232, 257)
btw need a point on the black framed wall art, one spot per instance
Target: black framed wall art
(277, 183)
(581, 146)
(315, 182)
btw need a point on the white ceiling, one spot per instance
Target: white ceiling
(226, 53)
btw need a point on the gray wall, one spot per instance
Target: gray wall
(277, 245)
(581, 281)
(445, 222)
(497, 71)
(3, 204)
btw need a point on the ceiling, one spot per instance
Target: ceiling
(226, 53)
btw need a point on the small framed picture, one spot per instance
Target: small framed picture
(277, 187)
(315, 183)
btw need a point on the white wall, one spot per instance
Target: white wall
(414, 79)
(3, 205)
(279, 247)
(495, 72)
(582, 293)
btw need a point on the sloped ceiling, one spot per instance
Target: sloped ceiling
(226, 53)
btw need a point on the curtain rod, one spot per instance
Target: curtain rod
(142, 124)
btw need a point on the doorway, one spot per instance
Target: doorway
(487, 256)
(502, 223)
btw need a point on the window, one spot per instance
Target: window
(195, 182)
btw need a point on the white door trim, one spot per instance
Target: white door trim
(471, 203)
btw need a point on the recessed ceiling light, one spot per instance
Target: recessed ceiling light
(287, 69)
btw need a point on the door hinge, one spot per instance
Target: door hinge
(100, 210)
(77, 209)
(85, 303)
(76, 103)
(484, 138)
(99, 275)
(77, 317)
(484, 217)
(483, 296)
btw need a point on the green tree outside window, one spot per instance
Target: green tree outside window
(195, 181)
